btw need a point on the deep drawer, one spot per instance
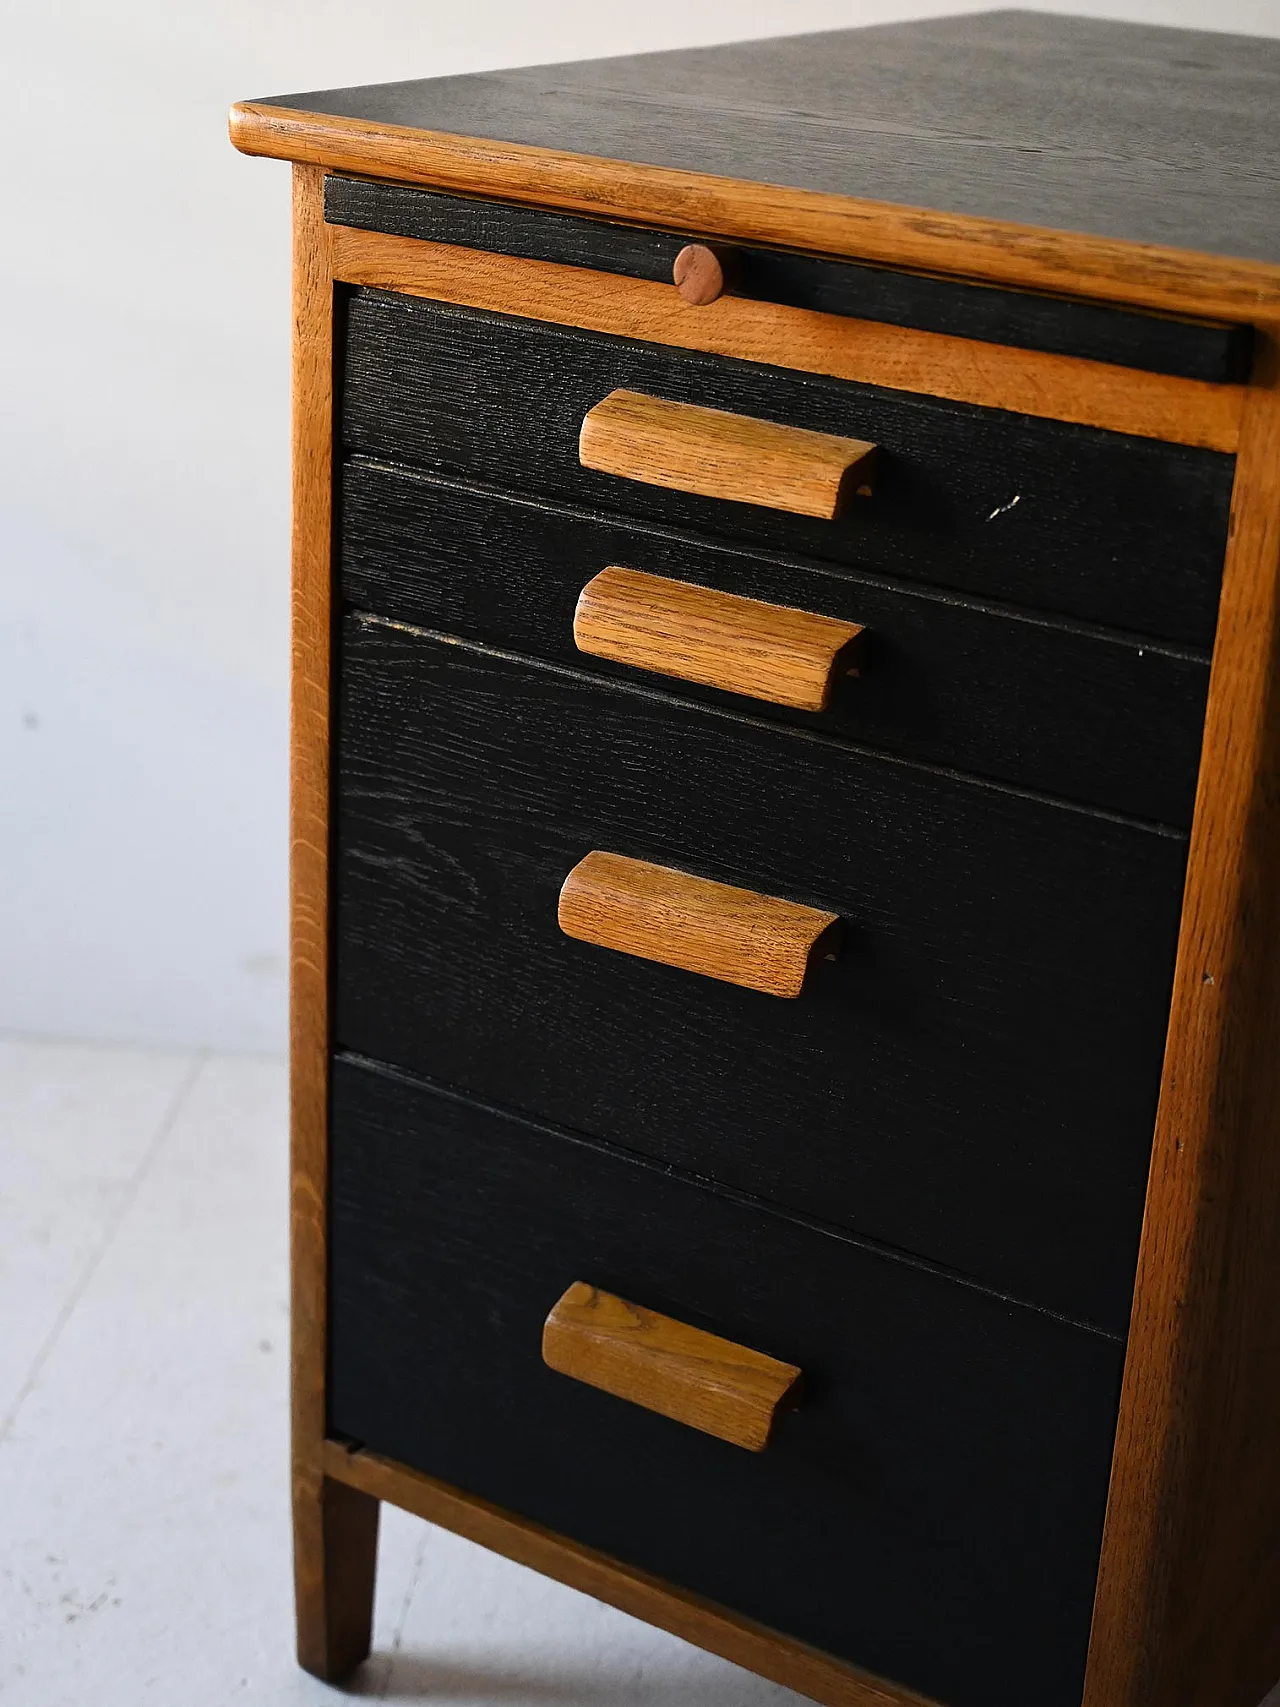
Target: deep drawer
(974, 1078)
(1090, 524)
(1097, 717)
(932, 1511)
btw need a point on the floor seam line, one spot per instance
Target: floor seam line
(397, 1634)
(128, 1197)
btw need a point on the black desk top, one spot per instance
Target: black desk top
(1146, 135)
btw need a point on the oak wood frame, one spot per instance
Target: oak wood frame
(766, 1652)
(964, 370)
(335, 1526)
(1190, 1569)
(1189, 1585)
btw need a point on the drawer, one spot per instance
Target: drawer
(931, 1511)
(974, 1078)
(1090, 524)
(1093, 716)
(1163, 343)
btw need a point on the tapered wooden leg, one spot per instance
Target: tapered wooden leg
(335, 1527)
(335, 1544)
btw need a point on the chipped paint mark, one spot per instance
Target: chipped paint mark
(1001, 509)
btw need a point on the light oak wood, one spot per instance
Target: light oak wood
(693, 1377)
(335, 1554)
(699, 273)
(779, 1658)
(697, 634)
(1190, 1575)
(687, 448)
(1060, 388)
(335, 1527)
(996, 251)
(715, 929)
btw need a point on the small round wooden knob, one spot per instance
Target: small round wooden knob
(698, 274)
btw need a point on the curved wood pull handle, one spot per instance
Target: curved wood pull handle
(681, 1372)
(717, 929)
(710, 452)
(772, 652)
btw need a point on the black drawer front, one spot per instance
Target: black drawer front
(1089, 524)
(932, 1512)
(1096, 717)
(974, 1079)
(1190, 349)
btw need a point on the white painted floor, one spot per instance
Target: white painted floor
(144, 1544)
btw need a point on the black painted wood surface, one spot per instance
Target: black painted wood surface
(934, 1509)
(1093, 716)
(1188, 349)
(1119, 130)
(973, 1080)
(1089, 524)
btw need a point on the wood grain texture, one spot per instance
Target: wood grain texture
(1026, 257)
(1064, 388)
(794, 1665)
(717, 454)
(717, 930)
(335, 1528)
(1056, 325)
(696, 1378)
(745, 646)
(336, 1553)
(1058, 154)
(931, 1512)
(925, 1092)
(986, 689)
(1043, 514)
(1191, 1568)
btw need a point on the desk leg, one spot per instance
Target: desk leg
(335, 1545)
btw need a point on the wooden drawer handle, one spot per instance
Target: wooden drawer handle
(703, 271)
(716, 929)
(789, 657)
(681, 1372)
(718, 455)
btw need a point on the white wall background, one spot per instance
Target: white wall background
(143, 467)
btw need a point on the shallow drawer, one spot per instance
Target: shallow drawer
(1091, 524)
(931, 1511)
(973, 1078)
(1089, 715)
(1161, 343)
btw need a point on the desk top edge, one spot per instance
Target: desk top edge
(1134, 162)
